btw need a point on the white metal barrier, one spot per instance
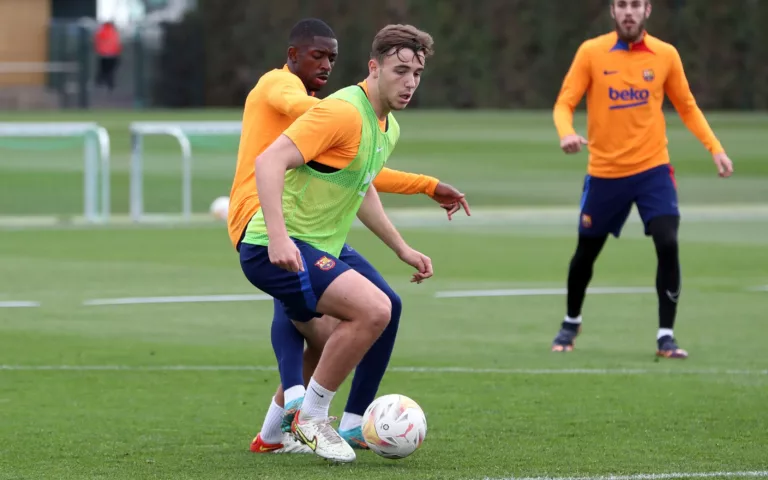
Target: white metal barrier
(96, 159)
(180, 131)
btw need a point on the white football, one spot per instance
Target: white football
(220, 208)
(394, 426)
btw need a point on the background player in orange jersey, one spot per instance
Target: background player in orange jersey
(626, 75)
(279, 98)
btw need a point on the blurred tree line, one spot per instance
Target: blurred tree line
(489, 53)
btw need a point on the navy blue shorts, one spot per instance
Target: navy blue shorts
(296, 294)
(606, 202)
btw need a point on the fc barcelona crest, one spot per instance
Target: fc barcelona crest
(325, 263)
(648, 75)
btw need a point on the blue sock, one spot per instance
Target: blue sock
(371, 369)
(288, 345)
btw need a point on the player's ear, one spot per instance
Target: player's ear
(647, 8)
(373, 68)
(613, 12)
(293, 54)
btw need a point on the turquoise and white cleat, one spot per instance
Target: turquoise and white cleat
(354, 437)
(289, 412)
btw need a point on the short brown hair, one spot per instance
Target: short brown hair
(401, 37)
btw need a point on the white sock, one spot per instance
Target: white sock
(293, 393)
(663, 332)
(576, 320)
(270, 430)
(350, 421)
(317, 401)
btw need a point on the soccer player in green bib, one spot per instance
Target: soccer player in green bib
(313, 181)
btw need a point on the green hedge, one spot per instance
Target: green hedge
(490, 53)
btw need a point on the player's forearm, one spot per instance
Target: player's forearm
(694, 119)
(270, 182)
(563, 118)
(373, 216)
(404, 183)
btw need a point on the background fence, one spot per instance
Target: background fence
(490, 53)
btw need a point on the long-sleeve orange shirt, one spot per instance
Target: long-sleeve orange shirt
(271, 107)
(625, 86)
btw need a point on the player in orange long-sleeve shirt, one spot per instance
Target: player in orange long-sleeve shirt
(626, 75)
(279, 98)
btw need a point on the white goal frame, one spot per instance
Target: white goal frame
(96, 158)
(180, 131)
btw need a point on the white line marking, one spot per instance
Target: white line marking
(528, 292)
(521, 292)
(413, 217)
(648, 476)
(263, 297)
(495, 216)
(12, 304)
(437, 370)
(176, 299)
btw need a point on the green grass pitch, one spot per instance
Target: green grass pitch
(178, 390)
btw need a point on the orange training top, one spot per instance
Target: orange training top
(330, 132)
(625, 86)
(277, 100)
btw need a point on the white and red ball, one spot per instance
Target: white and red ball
(220, 208)
(394, 426)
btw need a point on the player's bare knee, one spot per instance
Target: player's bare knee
(378, 312)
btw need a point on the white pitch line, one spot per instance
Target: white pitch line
(176, 299)
(529, 292)
(413, 217)
(15, 304)
(427, 370)
(263, 297)
(648, 476)
(521, 292)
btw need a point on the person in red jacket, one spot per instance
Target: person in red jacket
(108, 49)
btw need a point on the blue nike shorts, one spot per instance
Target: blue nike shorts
(296, 294)
(606, 202)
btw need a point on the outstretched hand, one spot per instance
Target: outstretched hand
(450, 199)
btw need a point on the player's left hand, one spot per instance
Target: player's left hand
(419, 261)
(723, 163)
(450, 199)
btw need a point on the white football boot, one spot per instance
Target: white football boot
(322, 438)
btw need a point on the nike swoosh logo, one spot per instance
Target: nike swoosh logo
(673, 296)
(318, 394)
(379, 149)
(312, 444)
(610, 72)
(262, 448)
